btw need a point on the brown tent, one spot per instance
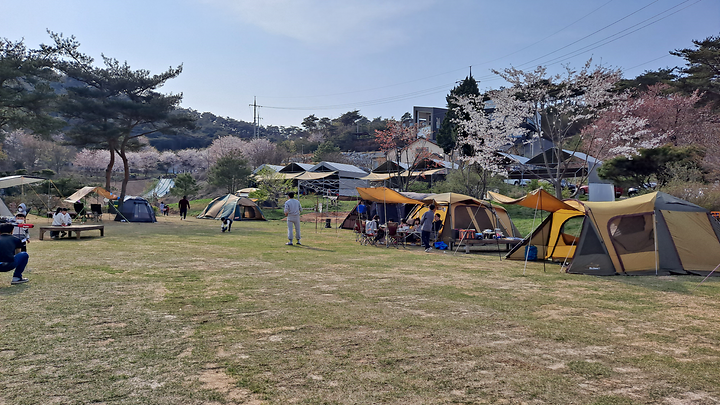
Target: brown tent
(654, 233)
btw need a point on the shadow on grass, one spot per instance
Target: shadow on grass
(304, 246)
(13, 289)
(685, 284)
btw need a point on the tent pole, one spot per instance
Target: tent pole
(656, 242)
(527, 251)
(541, 221)
(497, 222)
(386, 218)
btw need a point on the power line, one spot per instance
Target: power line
(607, 40)
(593, 33)
(444, 88)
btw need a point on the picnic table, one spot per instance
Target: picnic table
(72, 228)
(508, 242)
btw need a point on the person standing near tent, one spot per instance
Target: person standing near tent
(161, 208)
(11, 258)
(362, 210)
(426, 225)
(184, 205)
(292, 211)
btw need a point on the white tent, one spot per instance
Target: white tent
(13, 181)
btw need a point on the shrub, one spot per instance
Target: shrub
(704, 195)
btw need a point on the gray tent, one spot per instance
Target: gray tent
(136, 209)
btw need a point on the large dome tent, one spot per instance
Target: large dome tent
(135, 209)
(233, 207)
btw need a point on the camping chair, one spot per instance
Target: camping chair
(96, 210)
(392, 237)
(358, 229)
(367, 238)
(80, 213)
(435, 234)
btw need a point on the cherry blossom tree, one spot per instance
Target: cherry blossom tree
(190, 160)
(144, 161)
(651, 119)
(94, 161)
(22, 150)
(394, 141)
(483, 134)
(225, 146)
(260, 151)
(167, 160)
(556, 104)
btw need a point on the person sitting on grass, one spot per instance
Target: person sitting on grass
(11, 256)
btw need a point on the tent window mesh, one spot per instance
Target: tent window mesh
(633, 234)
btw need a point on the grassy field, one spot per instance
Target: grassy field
(179, 313)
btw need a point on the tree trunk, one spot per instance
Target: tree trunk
(126, 171)
(108, 170)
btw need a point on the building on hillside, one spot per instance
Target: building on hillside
(274, 168)
(367, 161)
(330, 178)
(421, 148)
(428, 121)
(296, 168)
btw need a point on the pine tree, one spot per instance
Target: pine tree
(448, 134)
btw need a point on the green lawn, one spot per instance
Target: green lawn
(179, 313)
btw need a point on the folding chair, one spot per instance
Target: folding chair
(80, 213)
(393, 238)
(358, 229)
(368, 238)
(96, 210)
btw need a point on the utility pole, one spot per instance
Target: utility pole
(256, 119)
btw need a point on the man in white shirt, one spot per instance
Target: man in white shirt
(292, 211)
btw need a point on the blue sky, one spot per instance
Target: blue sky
(382, 57)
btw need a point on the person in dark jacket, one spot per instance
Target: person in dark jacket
(426, 224)
(183, 205)
(11, 256)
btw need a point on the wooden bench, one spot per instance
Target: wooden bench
(72, 228)
(508, 242)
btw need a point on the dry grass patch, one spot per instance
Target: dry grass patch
(177, 312)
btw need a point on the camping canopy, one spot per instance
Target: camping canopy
(87, 190)
(384, 195)
(233, 207)
(12, 181)
(539, 199)
(552, 238)
(386, 203)
(654, 233)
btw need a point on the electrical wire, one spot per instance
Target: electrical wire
(443, 88)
